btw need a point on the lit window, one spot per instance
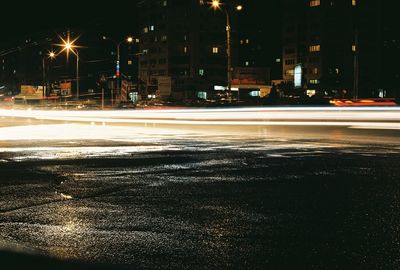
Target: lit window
(315, 48)
(164, 38)
(151, 27)
(247, 41)
(354, 48)
(315, 3)
(145, 30)
(130, 62)
(201, 72)
(185, 49)
(314, 81)
(215, 50)
(202, 95)
(354, 3)
(277, 60)
(255, 93)
(289, 72)
(247, 63)
(165, 2)
(315, 71)
(311, 93)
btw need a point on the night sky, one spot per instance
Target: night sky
(38, 17)
(25, 19)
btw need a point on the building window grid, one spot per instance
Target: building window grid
(290, 62)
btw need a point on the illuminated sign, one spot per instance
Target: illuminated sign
(65, 88)
(224, 88)
(117, 72)
(31, 91)
(298, 75)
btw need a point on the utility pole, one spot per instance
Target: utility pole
(216, 4)
(102, 97)
(44, 75)
(229, 55)
(356, 66)
(77, 75)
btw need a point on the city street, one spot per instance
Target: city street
(264, 188)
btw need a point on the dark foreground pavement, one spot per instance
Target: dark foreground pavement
(253, 204)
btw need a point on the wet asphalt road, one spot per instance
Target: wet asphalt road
(257, 198)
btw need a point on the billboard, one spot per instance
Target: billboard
(65, 88)
(298, 76)
(32, 91)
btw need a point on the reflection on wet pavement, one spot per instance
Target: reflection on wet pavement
(186, 201)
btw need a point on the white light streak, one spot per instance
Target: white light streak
(245, 114)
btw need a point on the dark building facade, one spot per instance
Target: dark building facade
(183, 41)
(391, 51)
(337, 43)
(259, 31)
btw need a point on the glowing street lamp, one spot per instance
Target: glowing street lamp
(69, 46)
(52, 55)
(216, 4)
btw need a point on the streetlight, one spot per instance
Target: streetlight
(117, 68)
(51, 55)
(69, 46)
(216, 4)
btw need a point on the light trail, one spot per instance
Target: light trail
(155, 129)
(240, 115)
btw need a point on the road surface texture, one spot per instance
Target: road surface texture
(159, 195)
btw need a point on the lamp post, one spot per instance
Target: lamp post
(355, 64)
(69, 46)
(216, 4)
(117, 68)
(51, 55)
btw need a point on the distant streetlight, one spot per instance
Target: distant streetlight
(52, 55)
(117, 69)
(216, 4)
(69, 46)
